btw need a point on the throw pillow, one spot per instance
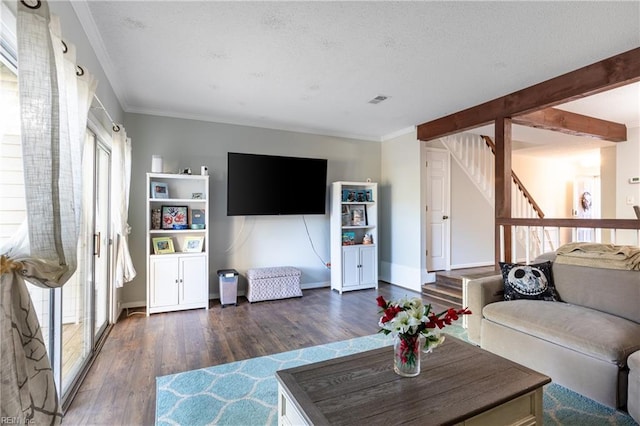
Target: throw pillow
(533, 282)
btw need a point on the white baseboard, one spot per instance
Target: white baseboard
(310, 286)
(216, 295)
(135, 304)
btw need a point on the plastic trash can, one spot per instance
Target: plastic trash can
(228, 287)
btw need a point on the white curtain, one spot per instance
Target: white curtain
(54, 101)
(121, 179)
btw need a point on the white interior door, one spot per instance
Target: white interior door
(437, 210)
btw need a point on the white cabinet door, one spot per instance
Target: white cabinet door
(350, 266)
(164, 282)
(368, 266)
(193, 283)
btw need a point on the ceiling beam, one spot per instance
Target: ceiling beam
(573, 124)
(607, 74)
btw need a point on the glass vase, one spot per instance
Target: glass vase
(406, 355)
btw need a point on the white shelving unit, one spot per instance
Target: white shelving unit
(354, 215)
(178, 280)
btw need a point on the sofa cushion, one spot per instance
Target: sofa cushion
(528, 281)
(597, 334)
(609, 290)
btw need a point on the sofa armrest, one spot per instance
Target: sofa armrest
(481, 292)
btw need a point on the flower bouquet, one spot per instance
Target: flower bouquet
(410, 321)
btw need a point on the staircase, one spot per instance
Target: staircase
(476, 156)
(446, 291)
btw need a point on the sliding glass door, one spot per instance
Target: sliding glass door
(85, 298)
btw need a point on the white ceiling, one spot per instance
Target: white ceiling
(313, 66)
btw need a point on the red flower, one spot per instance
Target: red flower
(390, 313)
(381, 302)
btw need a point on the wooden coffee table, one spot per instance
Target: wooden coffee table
(459, 384)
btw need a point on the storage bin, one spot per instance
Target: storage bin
(228, 287)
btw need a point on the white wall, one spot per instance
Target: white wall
(472, 223)
(401, 251)
(240, 242)
(548, 180)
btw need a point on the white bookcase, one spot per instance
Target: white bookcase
(354, 236)
(179, 279)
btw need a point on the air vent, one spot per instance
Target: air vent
(378, 99)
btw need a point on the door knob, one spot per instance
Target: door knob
(445, 217)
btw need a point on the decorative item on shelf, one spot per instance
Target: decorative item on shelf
(159, 190)
(186, 171)
(358, 216)
(204, 170)
(367, 239)
(197, 196)
(163, 245)
(346, 216)
(156, 164)
(348, 195)
(368, 195)
(411, 323)
(197, 218)
(193, 244)
(174, 217)
(156, 219)
(348, 238)
(361, 196)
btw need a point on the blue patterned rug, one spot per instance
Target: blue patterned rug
(244, 393)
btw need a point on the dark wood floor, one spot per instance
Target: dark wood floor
(120, 387)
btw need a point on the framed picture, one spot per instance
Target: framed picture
(163, 245)
(197, 218)
(193, 244)
(159, 190)
(348, 238)
(358, 216)
(174, 217)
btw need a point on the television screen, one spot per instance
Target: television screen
(275, 185)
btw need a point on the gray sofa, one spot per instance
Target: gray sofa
(582, 342)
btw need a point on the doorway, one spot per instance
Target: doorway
(85, 298)
(437, 196)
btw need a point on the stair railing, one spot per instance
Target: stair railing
(476, 156)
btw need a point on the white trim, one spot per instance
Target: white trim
(8, 35)
(216, 295)
(102, 134)
(311, 286)
(401, 132)
(251, 123)
(81, 7)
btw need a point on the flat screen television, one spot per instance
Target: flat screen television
(275, 185)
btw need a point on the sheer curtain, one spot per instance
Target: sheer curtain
(55, 96)
(121, 179)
